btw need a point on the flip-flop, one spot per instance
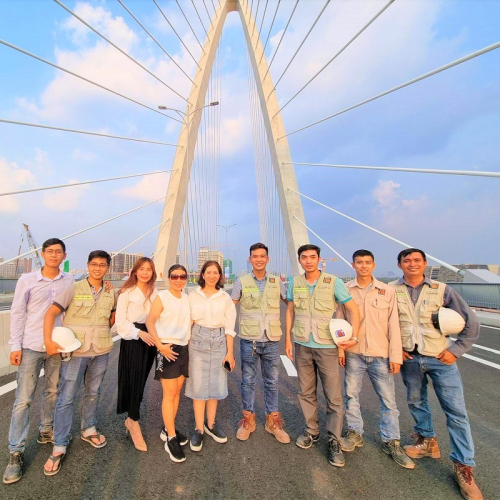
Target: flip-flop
(54, 459)
(97, 436)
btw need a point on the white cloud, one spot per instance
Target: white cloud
(149, 188)
(386, 193)
(64, 199)
(13, 178)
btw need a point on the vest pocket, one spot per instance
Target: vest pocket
(324, 331)
(275, 328)
(250, 300)
(83, 308)
(104, 340)
(299, 330)
(300, 300)
(273, 302)
(250, 327)
(324, 302)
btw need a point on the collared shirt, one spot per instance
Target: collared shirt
(469, 335)
(261, 284)
(33, 296)
(379, 333)
(132, 307)
(216, 311)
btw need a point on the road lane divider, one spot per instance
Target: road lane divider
(481, 360)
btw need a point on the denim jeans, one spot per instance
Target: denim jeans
(383, 383)
(73, 373)
(27, 379)
(447, 383)
(268, 353)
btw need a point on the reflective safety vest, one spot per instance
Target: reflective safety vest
(416, 320)
(89, 320)
(260, 313)
(313, 312)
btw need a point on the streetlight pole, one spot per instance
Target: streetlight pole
(227, 228)
(185, 117)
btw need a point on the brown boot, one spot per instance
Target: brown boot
(423, 447)
(246, 425)
(464, 474)
(274, 425)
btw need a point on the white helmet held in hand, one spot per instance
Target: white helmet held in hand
(341, 330)
(448, 321)
(66, 339)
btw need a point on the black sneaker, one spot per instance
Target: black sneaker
(306, 440)
(196, 442)
(173, 448)
(183, 440)
(216, 433)
(335, 455)
(14, 469)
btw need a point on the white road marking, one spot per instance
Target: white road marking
(480, 360)
(289, 366)
(11, 386)
(494, 327)
(481, 347)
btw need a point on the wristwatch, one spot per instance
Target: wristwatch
(356, 339)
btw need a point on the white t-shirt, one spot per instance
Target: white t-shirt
(174, 324)
(132, 307)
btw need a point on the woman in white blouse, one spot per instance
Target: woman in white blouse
(210, 352)
(137, 347)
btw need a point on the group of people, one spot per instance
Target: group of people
(192, 337)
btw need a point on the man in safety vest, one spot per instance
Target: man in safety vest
(428, 353)
(312, 300)
(89, 313)
(259, 294)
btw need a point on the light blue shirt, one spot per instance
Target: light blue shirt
(341, 294)
(33, 296)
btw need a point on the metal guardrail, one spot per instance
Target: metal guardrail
(485, 295)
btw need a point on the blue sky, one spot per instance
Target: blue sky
(450, 121)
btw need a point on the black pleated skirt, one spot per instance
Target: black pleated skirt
(134, 364)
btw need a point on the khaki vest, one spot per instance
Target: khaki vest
(313, 312)
(260, 313)
(416, 320)
(90, 321)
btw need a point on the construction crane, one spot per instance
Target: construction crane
(323, 263)
(33, 247)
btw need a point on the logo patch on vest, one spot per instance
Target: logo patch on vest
(339, 334)
(327, 280)
(272, 280)
(381, 292)
(434, 286)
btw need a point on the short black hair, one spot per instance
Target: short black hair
(201, 279)
(175, 267)
(99, 254)
(256, 246)
(309, 246)
(53, 241)
(362, 253)
(407, 251)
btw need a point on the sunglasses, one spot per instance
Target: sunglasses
(182, 277)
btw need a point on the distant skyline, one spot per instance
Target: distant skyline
(449, 121)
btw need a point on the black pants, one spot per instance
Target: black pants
(134, 364)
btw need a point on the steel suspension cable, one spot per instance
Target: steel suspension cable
(83, 230)
(445, 264)
(83, 182)
(177, 35)
(379, 13)
(37, 125)
(300, 46)
(118, 48)
(201, 22)
(155, 40)
(270, 30)
(281, 39)
(189, 24)
(398, 87)
(475, 173)
(208, 14)
(263, 17)
(7, 44)
(255, 17)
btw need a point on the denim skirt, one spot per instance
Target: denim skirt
(207, 377)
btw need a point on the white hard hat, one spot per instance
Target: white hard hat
(66, 339)
(448, 321)
(341, 330)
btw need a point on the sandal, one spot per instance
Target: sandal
(54, 459)
(97, 436)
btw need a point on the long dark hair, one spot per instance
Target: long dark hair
(201, 279)
(132, 280)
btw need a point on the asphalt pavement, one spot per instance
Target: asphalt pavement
(260, 468)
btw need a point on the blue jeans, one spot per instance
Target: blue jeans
(447, 383)
(73, 373)
(268, 353)
(27, 379)
(383, 383)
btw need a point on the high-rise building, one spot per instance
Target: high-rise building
(178, 258)
(122, 263)
(204, 254)
(24, 265)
